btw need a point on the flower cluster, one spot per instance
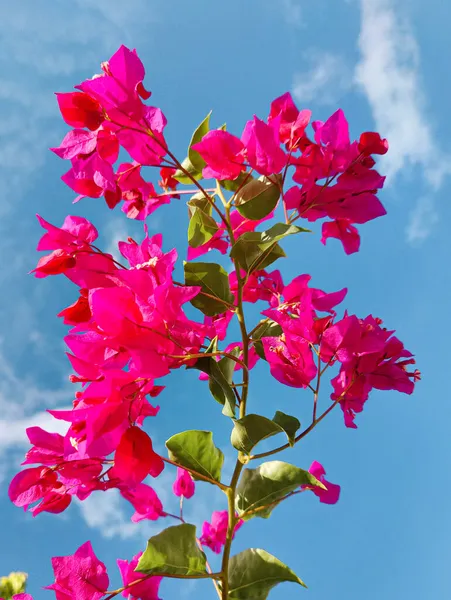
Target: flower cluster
(129, 327)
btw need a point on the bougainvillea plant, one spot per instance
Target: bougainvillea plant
(129, 328)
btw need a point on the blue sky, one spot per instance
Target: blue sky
(386, 64)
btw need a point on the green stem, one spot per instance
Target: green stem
(312, 426)
(232, 521)
(231, 492)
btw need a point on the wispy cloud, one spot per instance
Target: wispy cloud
(422, 220)
(46, 46)
(21, 396)
(12, 433)
(389, 75)
(292, 11)
(116, 230)
(104, 512)
(325, 79)
(109, 514)
(14, 441)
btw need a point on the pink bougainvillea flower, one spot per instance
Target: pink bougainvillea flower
(223, 153)
(140, 197)
(74, 233)
(135, 458)
(214, 534)
(78, 312)
(80, 110)
(372, 143)
(342, 230)
(146, 149)
(167, 181)
(54, 502)
(334, 133)
(91, 176)
(285, 108)
(218, 325)
(262, 144)
(48, 448)
(145, 501)
(31, 485)
(293, 122)
(184, 484)
(121, 84)
(22, 596)
(329, 496)
(55, 263)
(80, 576)
(370, 357)
(76, 142)
(290, 360)
(145, 590)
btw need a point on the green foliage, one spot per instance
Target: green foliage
(201, 228)
(232, 185)
(258, 249)
(288, 423)
(254, 572)
(189, 168)
(196, 159)
(194, 163)
(258, 198)
(220, 378)
(252, 429)
(174, 551)
(215, 295)
(261, 489)
(195, 450)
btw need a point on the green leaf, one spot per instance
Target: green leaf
(195, 158)
(174, 551)
(220, 377)
(252, 429)
(199, 200)
(232, 185)
(260, 489)
(254, 572)
(189, 168)
(289, 424)
(265, 329)
(258, 249)
(195, 450)
(214, 282)
(201, 228)
(257, 199)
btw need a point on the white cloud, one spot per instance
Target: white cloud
(21, 397)
(116, 230)
(326, 78)
(12, 433)
(422, 220)
(389, 75)
(104, 511)
(109, 514)
(22, 402)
